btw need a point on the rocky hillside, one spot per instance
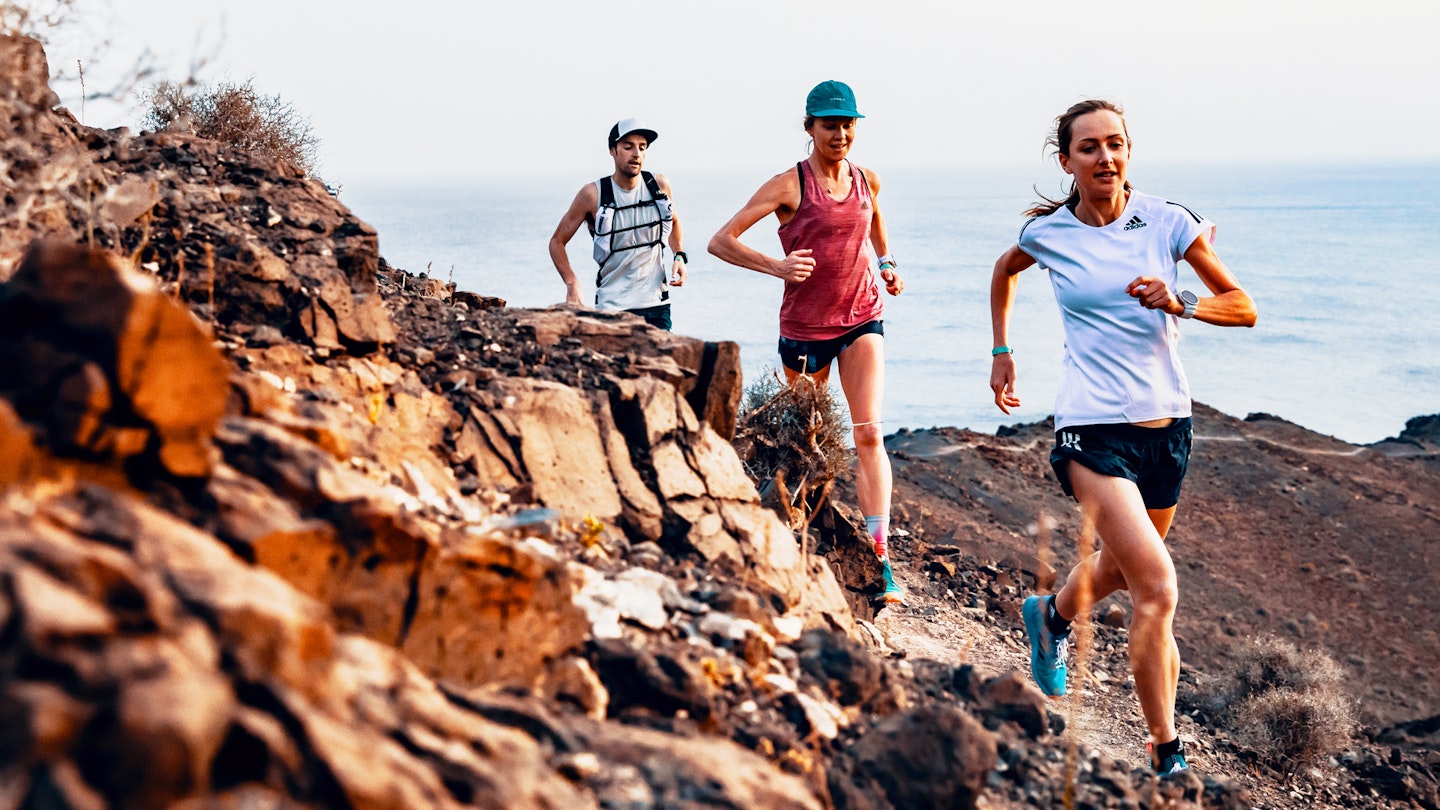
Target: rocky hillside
(283, 526)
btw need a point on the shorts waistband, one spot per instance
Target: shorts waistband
(876, 326)
(1132, 433)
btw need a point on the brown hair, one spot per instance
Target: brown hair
(1060, 140)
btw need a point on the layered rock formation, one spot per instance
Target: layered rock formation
(284, 526)
(268, 541)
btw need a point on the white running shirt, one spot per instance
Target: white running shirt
(1122, 363)
(633, 278)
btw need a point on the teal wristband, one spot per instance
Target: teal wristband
(999, 350)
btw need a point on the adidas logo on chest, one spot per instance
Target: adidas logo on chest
(1135, 222)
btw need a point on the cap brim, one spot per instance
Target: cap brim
(650, 134)
(836, 114)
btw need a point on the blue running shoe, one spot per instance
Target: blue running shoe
(1169, 766)
(1047, 652)
(894, 594)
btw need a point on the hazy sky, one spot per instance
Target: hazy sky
(432, 89)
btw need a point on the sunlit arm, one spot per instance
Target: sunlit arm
(584, 202)
(1229, 305)
(1002, 301)
(780, 196)
(879, 237)
(678, 270)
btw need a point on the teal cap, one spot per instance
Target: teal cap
(832, 99)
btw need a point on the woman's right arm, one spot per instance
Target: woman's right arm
(780, 195)
(1002, 299)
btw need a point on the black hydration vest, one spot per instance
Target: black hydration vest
(632, 237)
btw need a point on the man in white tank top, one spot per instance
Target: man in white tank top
(631, 218)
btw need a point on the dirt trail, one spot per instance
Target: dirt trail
(1101, 718)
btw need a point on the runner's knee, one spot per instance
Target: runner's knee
(1155, 599)
(868, 437)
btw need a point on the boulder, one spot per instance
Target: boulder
(193, 675)
(137, 381)
(932, 756)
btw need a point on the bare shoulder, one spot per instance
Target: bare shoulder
(872, 177)
(664, 183)
(787, 179)
(783, 188)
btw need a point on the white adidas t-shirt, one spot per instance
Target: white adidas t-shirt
(1121, 359)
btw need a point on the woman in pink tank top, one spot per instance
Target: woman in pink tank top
(832, 307)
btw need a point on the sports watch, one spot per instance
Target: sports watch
(1190, 300)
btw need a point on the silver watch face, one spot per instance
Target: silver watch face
(1188, 298)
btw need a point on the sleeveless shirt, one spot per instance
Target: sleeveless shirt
(841, 293)
(632, 272)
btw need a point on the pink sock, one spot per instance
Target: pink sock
(879, 528)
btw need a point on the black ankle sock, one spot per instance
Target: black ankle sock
(1053, 622)
(1169, 749)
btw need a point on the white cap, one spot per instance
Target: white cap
(629, 125)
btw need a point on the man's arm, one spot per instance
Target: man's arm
(583, 204)
(677, 241)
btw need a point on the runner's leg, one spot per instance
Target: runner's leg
(862, 376)
(820, 377)
(1105, 575)
(1133, 542)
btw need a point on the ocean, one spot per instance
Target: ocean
(1341, 261)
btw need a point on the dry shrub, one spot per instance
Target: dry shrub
(35, 18)
(234, 114)
(793, 432)
(1269, 663)
(1289, 728)
(1287, 705)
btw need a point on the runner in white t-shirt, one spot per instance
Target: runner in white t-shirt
(1122, 416)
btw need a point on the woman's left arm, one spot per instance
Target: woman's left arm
(1228, 305)
(879, 239)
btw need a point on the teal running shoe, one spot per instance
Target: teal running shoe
(1169, 766)
(1047, 652)
(894, 594)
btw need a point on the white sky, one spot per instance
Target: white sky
(424, 90)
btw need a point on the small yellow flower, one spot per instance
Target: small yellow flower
(591, 529)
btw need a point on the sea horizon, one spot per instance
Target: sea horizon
(1333, 351)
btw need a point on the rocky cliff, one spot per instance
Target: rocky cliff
(283, 526)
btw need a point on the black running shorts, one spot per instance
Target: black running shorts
(658, 317)
(809, 356)
(1154, 458)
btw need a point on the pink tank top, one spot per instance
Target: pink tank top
(841, 294)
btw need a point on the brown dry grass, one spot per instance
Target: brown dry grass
(1286, 704)
(236, 114)
(792, 437)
